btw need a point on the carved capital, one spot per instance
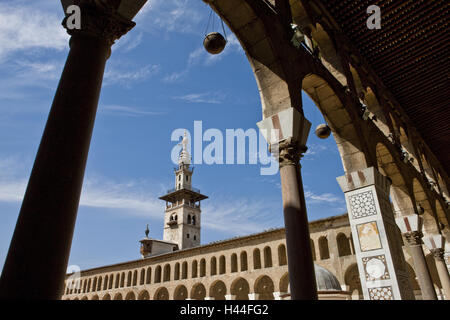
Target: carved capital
(289, 152)
(438, 254)
(100, 19)
(414, 238)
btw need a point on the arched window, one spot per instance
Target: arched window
(189, 219)
(256, 259)
(234, 263)
(99, 284)
(222, 266)
(202, 268)
(94, 284)
(323, 248)
(142, 278)
(117, 280)
(122, 280)
(282, 260)
(244, 266)
(313, 249)
(111, 281)
(343, 245)
(148, 280)
(267, 257)
(135, 275)
(194, 269)
(193, 220)
(158, 274)
(213, 266)
(184, 270)
(89, 286)
(166, 276)
(129, 279)
(86, 282)
(176, 274)
(105, 283)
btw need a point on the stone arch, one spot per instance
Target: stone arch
(428, 171)
(267, 257)
(130, 296)
(222, 265)
(157, 274)
(442, 218)
(85, 298)
(111, 281)
(94, 284)
(343, 245)
(399, 192)
(184, 270)
(180, 293)
(148, 279)
(374, 106)
(106, 297)
(213, 266)
(95, 297)
(118, 296)
(353, 282)
(144, 295)
(244, 262)
(176, 272)
(194, 269)
(203, 267)
(105, 282)
(135, 276)
(161, 294)
(282, 258)
(429, 221)
(443, 186)
(122, 280)
(328, 54)
(256, 259)
(198, 292)
(348, 140)
(240, 289)
(284, 283)
(166, 275)
(313, 249)
(264, 288)
(234, 263)
(218, 290)
(324, 250)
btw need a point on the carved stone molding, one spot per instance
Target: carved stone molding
(438, 254)
(100, 19)
(414, 238)
(289, 152)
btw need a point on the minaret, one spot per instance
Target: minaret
(182, 222)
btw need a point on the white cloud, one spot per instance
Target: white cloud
(313, 198)
(206, 97)
(115, 75)
(26, 28)
(127, 111)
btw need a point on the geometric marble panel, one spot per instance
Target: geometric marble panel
(381, 293)
(362, 205)
(376, 268)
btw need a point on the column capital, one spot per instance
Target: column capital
(289, 152)
(414, 238)
(100, 19)
(438, 254)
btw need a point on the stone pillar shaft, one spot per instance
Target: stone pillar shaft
(442, 271)
(37, 259)
(420, 264)
(301, 267)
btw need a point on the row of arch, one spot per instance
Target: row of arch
(344, 246)
(240, 289)
(238, 263)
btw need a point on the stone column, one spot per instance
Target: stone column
(436, 244)
(253, 296)
(423, 274)
(377, 242)
(277, 295)
(289, 131)
(36, 263)
(230, 297)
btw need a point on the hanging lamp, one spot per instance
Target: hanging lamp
(214, 42)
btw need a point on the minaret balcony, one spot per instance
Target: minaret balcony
(172, 223)
(185, 187)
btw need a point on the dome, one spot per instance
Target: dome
(325, 280)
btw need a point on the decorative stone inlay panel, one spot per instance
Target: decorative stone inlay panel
(362, 205)
(369, 236)
(375, 268)
(381, 293)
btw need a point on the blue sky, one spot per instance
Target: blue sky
(158, 79)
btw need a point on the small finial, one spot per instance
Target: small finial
(147, 231)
